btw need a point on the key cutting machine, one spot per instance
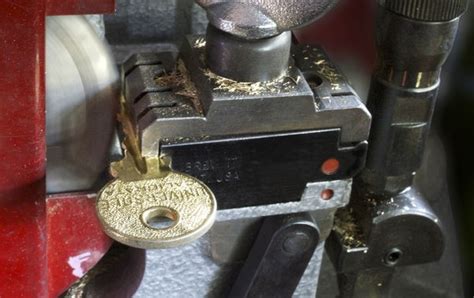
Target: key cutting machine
(265, 128)
(272, 128)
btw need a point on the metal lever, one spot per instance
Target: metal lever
(278, 258)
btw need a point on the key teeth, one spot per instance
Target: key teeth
(125, 169)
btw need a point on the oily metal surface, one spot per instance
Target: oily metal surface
(123, 206)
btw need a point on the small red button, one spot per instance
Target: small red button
(330, 166)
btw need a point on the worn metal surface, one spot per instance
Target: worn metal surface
(197, 270)
(247, 60)
(81, 103)
(329, 103)
(402, 217)
(255, 19)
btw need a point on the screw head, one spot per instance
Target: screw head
(327, 194)
(296, 243)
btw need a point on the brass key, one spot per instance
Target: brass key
(146, 191)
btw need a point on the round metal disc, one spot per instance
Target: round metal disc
(157, 213)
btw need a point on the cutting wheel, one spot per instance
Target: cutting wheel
(81, 103)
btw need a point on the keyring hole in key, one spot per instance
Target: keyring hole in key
(160, 218)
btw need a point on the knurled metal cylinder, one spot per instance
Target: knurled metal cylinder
(246, 60)
(426, 10)
(412, 52)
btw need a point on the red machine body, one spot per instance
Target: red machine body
(36, 233)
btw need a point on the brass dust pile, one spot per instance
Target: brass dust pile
(251, 88)
(346, 227)
(180, 81)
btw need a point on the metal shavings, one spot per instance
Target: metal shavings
(371, 201)
(252, 88)
(345, 225)
(180, 81)
(200, 43)
(324, 68)
(283, 83)
(181, 140)
(295, 81)
(330, 73)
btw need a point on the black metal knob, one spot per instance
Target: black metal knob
(427, 10)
